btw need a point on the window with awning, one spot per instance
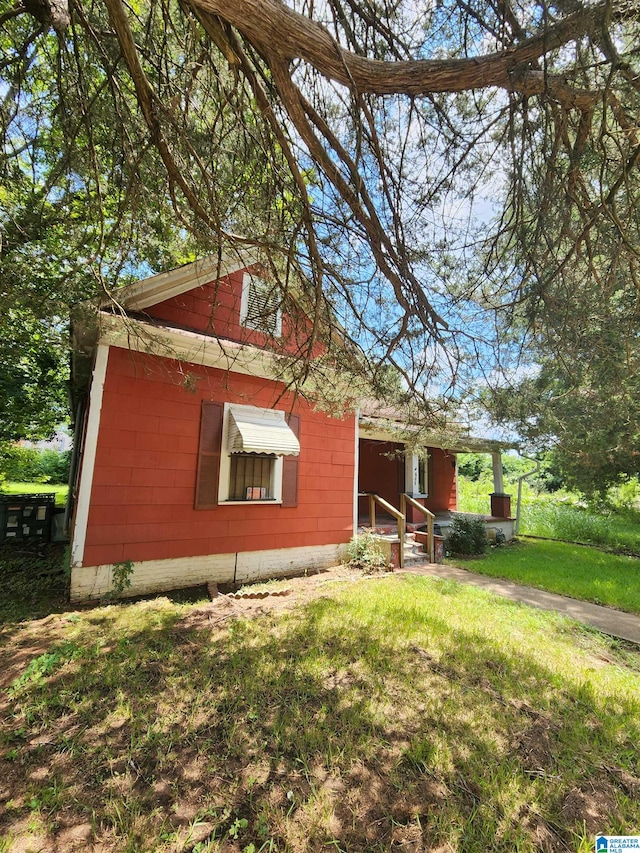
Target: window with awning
(247, 454)
(261, 431)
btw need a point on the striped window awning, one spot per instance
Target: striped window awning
(260, 431)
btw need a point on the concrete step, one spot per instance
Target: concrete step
(414, 555)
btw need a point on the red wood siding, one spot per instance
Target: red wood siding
(214, 309)
(142, 499)
(442, 481)
(381, 470)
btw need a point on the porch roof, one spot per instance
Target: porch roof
(384, 423)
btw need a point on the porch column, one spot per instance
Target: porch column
(500, 503)
(498, 483)
(412, 485)
(411, 473)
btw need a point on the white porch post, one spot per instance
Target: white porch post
(498, 482)
(411, 473)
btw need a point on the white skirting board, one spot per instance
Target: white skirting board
(91, 582)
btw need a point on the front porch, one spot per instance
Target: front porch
(387, 525)
(407, 547)
(423, 479)
(403, 488)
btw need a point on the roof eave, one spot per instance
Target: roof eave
(381, 429)
(162, 286)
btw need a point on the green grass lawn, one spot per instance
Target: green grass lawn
(559, 515)
(60, 491)
(402, 713)
(573, 570)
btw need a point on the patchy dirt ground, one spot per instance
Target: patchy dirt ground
(202, 734)
(21, 642)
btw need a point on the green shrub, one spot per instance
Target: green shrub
(625, 495)
(30, 465)
(474, 466)
(467, 535)
(365, 552)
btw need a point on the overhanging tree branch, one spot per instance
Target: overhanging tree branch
(282, 34)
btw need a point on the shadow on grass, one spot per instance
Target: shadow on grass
(34, 581)
(356, 725)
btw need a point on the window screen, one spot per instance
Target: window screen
(251, 477)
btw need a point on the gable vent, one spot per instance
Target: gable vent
(261, 307)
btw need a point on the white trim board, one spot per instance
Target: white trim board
(192, 347)
(90, 445)
(166, 285)
(196, 348)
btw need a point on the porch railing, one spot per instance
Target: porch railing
(407, 499)
(401, 517)
(387, 507)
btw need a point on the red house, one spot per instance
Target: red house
(194, 461)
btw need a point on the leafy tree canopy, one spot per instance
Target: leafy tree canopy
(584, 405)
(459, 182)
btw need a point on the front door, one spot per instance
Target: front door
(381, 470)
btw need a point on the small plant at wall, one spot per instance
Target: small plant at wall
(365, 552)
(121, 577)
(467, 535)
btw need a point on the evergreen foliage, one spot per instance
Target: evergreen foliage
(459, 186)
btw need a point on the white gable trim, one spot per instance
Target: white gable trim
(192, 347)
(89, 456)
(166, 285)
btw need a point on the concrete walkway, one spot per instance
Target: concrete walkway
(626, 626)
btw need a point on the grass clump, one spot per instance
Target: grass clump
(615, 528)
(567, 569)
(399, 713)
